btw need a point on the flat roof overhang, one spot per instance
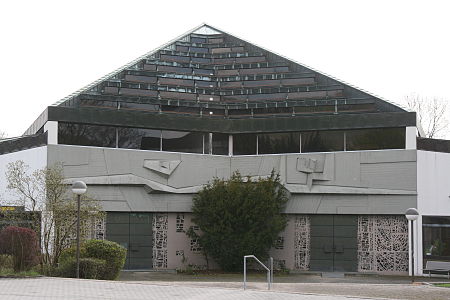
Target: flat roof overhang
(126, 118)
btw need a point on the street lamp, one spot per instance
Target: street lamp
(412, 215)
(78, 188)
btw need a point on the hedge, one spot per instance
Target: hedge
(90, 268)
(102, 259)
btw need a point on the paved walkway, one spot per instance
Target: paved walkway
(390, 287)
(350, 290)
(79, 289)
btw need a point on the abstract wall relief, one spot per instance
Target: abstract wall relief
(160, 225)
(302, 233)
(382, 244)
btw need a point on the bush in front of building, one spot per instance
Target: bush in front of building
(70, 253)
(113, 253)
(22, 244)
(239, 217)
(101, 260)
(90, 268)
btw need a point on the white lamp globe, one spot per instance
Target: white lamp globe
(412, 214)
(79, 187)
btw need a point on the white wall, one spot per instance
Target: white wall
(433, 190)
(411, 137)
(36, 158)
(51, 127)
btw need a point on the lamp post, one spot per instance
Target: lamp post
(78, 188)
(412, 214)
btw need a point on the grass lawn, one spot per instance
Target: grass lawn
(447, 285)
(11, 273)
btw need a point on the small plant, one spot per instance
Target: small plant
(438, 248)
(6, 261)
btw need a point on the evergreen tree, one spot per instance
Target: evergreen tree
(239, 217)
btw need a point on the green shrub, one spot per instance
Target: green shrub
(70, 253)
(90, 268)
(6, 261)
(239, 217)
(112, 253)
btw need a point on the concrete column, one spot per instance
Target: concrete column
(411, 135)
(419, 247)
(51, 127)
(230, 145)
(409, 249)
(416, 245)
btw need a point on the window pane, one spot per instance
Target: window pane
(370, 139)
(288, 142)
(244, 144)
(322, 141)
(220, 144)
(180, 141)
(137, 138)
(86, 135)
(139, 106)
(436, 237)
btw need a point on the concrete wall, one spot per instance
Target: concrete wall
(360, 182)
(35, 158)
(433, 193)
(179, 242)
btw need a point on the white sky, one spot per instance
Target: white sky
(50, 49)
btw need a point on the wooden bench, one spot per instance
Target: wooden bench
(438, 267)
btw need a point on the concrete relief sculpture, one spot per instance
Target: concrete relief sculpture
(302, 242)
(165, 167)
(160, 226)
(306, 169)
(98, 228)
(382, 244)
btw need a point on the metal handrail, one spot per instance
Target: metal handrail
(269, 271)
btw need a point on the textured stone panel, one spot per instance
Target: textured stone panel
(382, 244)
(302, 242)
(160, 227)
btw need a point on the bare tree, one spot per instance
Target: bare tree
(431, 113)
(3, 135)
(45, 191)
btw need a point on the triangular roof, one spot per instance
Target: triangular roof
(240, 72)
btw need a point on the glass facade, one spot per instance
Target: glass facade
(271, 143)
(138, 138)
(436, 237)
(86, 135)
(243, 144)
(377, 138)
(181, 141)
(219, 143)
(322, 141)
